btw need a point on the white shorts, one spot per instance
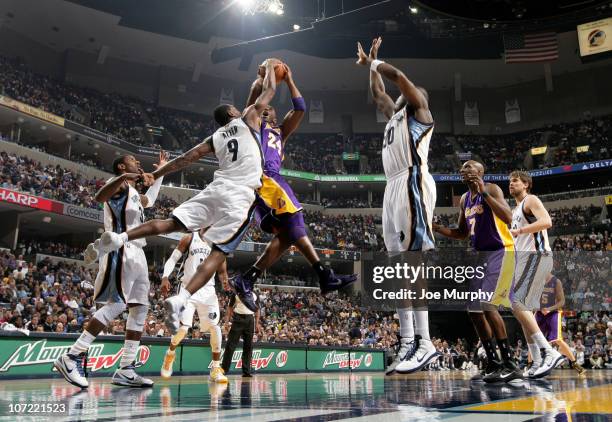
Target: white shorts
(224, 207)
(123, 276)
(207, 312)
(530, 278)
(408, 207)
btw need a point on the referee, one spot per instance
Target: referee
(244, 324)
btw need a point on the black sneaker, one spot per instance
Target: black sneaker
(493, 372)
(510, 372)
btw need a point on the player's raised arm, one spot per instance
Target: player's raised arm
(294, 117)
(114, 185)
(182, 161)
(377, 86)
(256, 88)
(252, 114)
(149, 198)
(461, 232)
(413, 94)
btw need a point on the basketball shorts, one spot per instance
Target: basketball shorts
(224, 207)
(123, 277)
(498, 275)
(550, 324)
(408, 205)
(530, 278)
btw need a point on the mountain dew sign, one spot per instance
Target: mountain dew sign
(33, 357)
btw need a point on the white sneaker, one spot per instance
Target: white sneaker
(217, 375)
(552, 358)
(71, 368)
(127, 377)
(405, 351)
(109, 242)
(529, 372)
(421, 357)
(166, 369)
(91, 254)
(174, 306)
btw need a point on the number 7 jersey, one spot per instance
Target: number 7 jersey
(239, 153)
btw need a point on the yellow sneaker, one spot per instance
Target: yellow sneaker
(166, 369)
(217, 375)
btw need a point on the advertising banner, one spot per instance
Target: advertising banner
(30, 201)
(32, 111)
(343, 359)
(84, 213)
(32, 356)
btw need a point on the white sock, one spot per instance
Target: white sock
(534, 349)
(406, 323)
(216, 363)
(538, 338)
(422, 324)
(82, 343)
(130, 347)
(124, 237)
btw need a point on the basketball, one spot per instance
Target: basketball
(280, 69)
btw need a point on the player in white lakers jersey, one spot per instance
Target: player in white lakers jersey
(194, 250)
(530, 220)
(410, 194)
(123, 277)
(225, 206)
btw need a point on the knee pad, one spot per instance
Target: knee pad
(294, 225)
(109, 312)
(215, 339)
(136, 318)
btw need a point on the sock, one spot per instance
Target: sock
(504, 349)
(536, 357)
(421, 319)
(489, 347)
(124, 237)
(538, 338)
(216, 363)
(319, 269)
(130, 347)
(252, 274)
(406, 323)
(82, 343)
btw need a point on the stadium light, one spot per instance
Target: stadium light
(296, 27)
(413, 10)
(275, 7)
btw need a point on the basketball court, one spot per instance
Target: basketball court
(431, 396)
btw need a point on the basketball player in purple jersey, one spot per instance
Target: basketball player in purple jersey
(484, 219)
(277, 210)
(549, 318)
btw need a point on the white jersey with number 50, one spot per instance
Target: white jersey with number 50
(239, 153)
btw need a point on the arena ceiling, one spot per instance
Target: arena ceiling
(441, 39)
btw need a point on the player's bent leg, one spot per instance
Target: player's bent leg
(567, 352)
(71, 365)
(209, 321)
(111, 241)
(174, 305)
(126, 374)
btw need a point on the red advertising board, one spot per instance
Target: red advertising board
(30, 201)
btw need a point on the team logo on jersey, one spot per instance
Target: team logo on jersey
(135, 198)
(212, 316)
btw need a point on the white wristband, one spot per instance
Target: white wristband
(374, 65)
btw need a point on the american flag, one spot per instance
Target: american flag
(529, 48)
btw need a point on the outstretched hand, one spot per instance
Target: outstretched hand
(376, 42)
(362, 58)
(163, 159)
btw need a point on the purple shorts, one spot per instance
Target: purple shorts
(277, 209)
(550, 324)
